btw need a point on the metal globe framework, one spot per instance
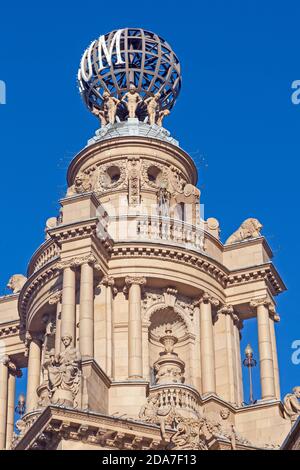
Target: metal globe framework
(123, 58)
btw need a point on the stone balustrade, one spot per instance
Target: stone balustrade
(183, 398)
(156, 228)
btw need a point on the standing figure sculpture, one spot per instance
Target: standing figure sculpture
(110, 107)
(101, 115)
(132, 99)
(152, 108)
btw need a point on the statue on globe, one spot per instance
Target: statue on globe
(152, 108)
(131, 100)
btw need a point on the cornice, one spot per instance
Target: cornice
(226, 278)
(8, 329)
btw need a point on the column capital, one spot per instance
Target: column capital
(137, 280)
(108, 281)
(263, 301)
(75, 262)
(206, 298)
(227, 309)
(273, 314)
(5, 360)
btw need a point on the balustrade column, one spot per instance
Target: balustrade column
(135, 350)
(207, 344)
(86, 322)
(68, 316)
(34, 371)
(4, 361)
(265, 348)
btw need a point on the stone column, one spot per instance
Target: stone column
(109, 283)
(196, 356)
(275, 318)
(207, 344)
(229, 318)
(86, 321)
(4, 361)
(55, 299)
(265, 348)
(14, 372)
(34, 371)
(68, 317)
(239, 374)
(135, 350)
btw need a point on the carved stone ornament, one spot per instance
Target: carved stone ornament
(82, 184)
(291, 404)
(199, 434)
(16, 282)
(63, 372)
(153, 413)
(250, 228)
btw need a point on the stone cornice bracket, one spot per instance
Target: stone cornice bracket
(55, 298)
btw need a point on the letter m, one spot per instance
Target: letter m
(102, 48)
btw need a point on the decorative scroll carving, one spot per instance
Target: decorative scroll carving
(134, 182)
(16, 282)
(291, 404)
(207, 298)
(250, 228)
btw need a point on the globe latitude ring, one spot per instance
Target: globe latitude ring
(129, 57)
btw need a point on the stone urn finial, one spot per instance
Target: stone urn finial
(168, 341)
(169, 368)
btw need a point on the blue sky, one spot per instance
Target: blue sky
(234, 116)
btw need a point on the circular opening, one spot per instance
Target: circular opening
(114, 173)
(154, 173)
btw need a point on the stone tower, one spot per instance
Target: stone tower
(130, 317)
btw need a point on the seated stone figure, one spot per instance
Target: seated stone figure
(63, 374)
(291, 404)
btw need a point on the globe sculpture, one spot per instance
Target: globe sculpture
(129, 73)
